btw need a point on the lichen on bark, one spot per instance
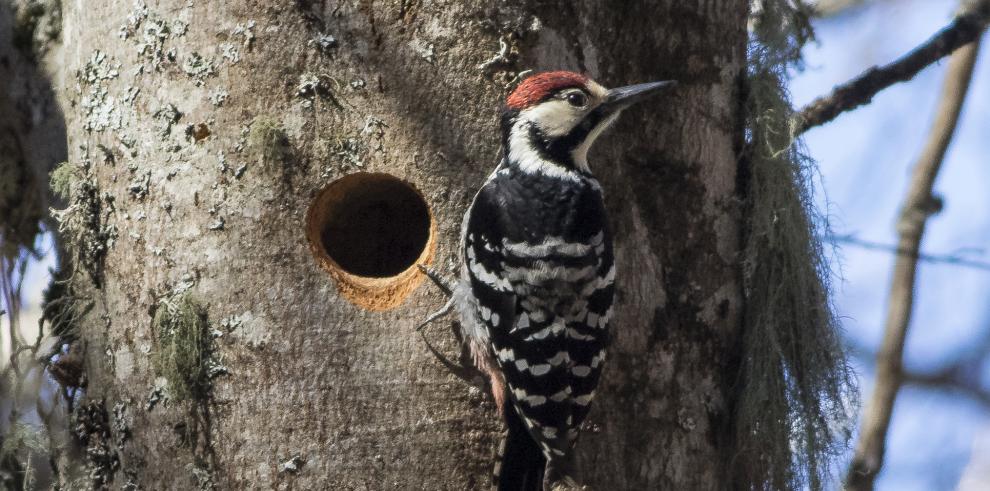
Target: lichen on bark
(354, 393)
(84, 223)
(268, 140)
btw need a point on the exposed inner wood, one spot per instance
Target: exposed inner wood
(369, 230)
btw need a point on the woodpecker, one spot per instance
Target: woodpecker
(537, 278)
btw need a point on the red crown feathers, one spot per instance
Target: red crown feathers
(538, 87)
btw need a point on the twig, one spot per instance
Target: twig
(953, 259)
(829, 8)
(964, 29)
(868, 458)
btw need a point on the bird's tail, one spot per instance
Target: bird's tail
(521, 463)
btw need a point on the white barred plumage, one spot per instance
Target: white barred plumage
(538, 275)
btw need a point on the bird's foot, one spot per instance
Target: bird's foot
(465, 370)
(436, 315)
(446, 285)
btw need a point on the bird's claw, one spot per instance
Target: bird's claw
(436, 315)
(440, 281)
(448, 289)
(461, 371)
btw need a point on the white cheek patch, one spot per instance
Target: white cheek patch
(555, 117)
(521, 152)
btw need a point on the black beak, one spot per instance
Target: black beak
(623, 97)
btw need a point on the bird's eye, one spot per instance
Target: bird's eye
(577, 99)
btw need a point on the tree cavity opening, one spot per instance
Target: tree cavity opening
(369, 231)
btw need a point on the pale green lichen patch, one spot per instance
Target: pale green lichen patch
(99, 67)
(309, 86)
(346, 151)
(218, 96)
(229, 52)
(796, 389)
(198, 68)
(100, 111)
(293, 465)
(99, 107)
(425, 50)
(202, 474)
(61, 179)
(121, 424)
(246, 32)
(343, 151)
(156, 395)
(182, 355)
(140, 185)
(152, 33)
(267, 140)
(217, 224)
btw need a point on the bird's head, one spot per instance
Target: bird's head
(560, 114)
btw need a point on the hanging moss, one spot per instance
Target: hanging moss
(795, 388)
(183, 351)
(85, 223)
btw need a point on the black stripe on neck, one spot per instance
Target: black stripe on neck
(557, 150)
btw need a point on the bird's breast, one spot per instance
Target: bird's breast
(537, 209)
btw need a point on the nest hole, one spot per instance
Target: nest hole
(369, 231)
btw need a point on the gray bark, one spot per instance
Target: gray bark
(354, 393)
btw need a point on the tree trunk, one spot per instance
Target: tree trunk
(210, 133)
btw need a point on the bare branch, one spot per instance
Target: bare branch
(915, 211)
(965, 28)
(828, 8)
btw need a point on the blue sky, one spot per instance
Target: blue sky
(865, 158)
